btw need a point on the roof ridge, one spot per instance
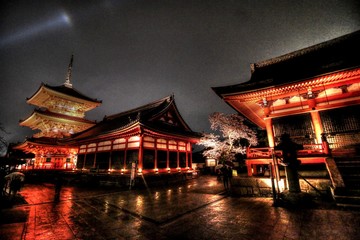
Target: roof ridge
(301, 52)
(54, 88)
(168, 98)
(64, 116)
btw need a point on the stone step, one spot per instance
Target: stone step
(350, 201)
(352, 185)
(348, 166)
(350, 173)
(355, 162)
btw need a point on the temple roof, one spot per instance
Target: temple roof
(159, 116)
(42, 141)
(71, 92)
(55, 125)
(48, 114)
(42, 145)
(324, 58)
(40, 97)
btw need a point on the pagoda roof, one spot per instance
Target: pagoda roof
(71, 92)
(150, 116)
(41, 144)
(42, 141)
(49, 114)
(64, 92)
(328, 57)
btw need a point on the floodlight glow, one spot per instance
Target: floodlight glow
(59, 21)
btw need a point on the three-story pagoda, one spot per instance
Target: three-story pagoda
(60, 113)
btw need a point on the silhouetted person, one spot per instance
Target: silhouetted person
(289, 151)
(229, 172)
(58, 185)
(2, 182)
(225, 175)
(15, 186)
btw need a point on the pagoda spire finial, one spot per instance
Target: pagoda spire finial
(68, 77)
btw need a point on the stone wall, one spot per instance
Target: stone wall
(252, 186)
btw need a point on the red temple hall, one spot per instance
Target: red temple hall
(153, 136)
(313, 95)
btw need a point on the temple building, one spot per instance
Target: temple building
(154, 137)
(60, 113)
(312, 94)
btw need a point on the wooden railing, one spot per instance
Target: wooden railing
(309, 150)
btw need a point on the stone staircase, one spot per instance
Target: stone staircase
(349, 168)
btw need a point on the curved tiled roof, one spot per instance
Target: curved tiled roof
(71, 92)
(66, 91)
(330, 56)
(62, 116)
(143, 116)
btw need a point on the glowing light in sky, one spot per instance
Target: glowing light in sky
(54, 23)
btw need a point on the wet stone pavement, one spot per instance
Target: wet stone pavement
(196, 209)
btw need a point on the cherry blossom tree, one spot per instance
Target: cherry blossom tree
(235, 136)
(3, 142)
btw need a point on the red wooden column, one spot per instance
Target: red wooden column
(269, 131)
(270, 136)
(190, 155)
(141, 151)
(110, 155)
(96, 150)
(318, 128)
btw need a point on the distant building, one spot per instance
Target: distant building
(154, 137)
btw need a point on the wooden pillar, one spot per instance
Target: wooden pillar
(190, 155)
(191, 159)
(318, 128)
(95, 153)
(110, 161)
(249, 168)
(269, 131)
(141, 152)
(156, 157)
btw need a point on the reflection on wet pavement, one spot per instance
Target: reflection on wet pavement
(193, 210)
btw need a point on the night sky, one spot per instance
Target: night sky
(129, 53)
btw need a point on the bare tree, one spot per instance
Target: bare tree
(235, 137)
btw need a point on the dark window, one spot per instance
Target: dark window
(173, 159)
(48, 159)
(102, 160)
(117, 159)
(149, 159)
(342, 126)
(298, 126)
(341, 120)
(131, 156)
(189, 160)
(68, 160)
(80, 161)
(89, 160)
(182, 159)
(161, 159)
